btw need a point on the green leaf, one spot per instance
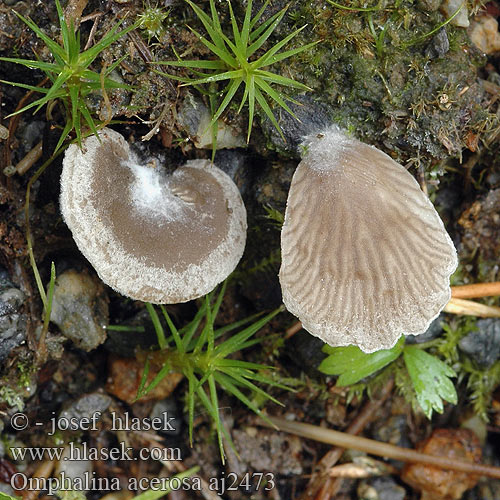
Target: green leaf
(281, 80)
(211, 25)
(194, 64)
(430, 378)
(257, 32)
(245, 30)
(232, 88)
(275, 96)
(267, 110)
(4, 496)
(34, 88)
(215, 404)
(217, 77)
(221, 52)
(144, 378)
(28, 63)
(353, 365)
(165, 369)
(235, 377)
(160, 333)
(267, 33)
(289, 53)
(192, 382)
(154, 494)
(233, 344)
(263, 61)
(173, 330)
(64, 134)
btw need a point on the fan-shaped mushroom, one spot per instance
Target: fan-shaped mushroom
(365, 256)
(152, 237)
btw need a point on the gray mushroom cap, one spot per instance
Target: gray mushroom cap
(365, 256)
(152, 237)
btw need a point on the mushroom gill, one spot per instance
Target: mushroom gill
(365, 256)
(150, 236)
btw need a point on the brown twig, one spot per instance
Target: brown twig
(378, 448)
(471, 308)
(90, 39)
(476, 290)
(30, 158)
(321, 485)
(73, 12)
(44, 470)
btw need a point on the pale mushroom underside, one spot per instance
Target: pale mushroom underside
(365, 256)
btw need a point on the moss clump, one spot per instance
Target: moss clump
(381, 75)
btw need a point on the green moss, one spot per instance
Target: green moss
(374, 71)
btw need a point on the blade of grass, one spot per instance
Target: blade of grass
(160, 334)
(267, 110)
(173, 330)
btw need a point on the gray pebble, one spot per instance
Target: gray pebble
(12, 323)
(483, 345)
(439, 45)
(80, 309)
(85, 407)
(312, 117)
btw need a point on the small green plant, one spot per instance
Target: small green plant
(4, 496)
(238, 63)
(72, 80)
(430, 377)
(11, 397)
(275, 216)
(207, 363)
(151, 20)
(154, 494)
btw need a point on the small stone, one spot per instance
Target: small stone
(311, 117)
(436, 483)
(125, 378)
(484, 34)
(393, 430)
(80, 309)
(381, 488)
(435, 329)
(73, 469)
(85, 407)
(269, 450)
(439, 45)
(234, 163)
(449, 7)
(167, 408)
(4, 133)
(305, 351)
(429, 5)
(12, 323)
(195, 118)
(483, 345)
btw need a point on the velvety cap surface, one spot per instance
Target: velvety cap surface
(152, 237)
